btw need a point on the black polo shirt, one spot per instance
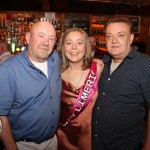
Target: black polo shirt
(118, 114)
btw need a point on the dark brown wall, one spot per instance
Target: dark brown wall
(74, 6)
(102, 8)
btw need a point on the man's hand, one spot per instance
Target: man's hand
(99, 61)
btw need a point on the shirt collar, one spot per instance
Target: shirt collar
(51, 57)
(131, 54)
(107, 57)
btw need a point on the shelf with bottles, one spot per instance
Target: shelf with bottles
(97, 28)
(56, 22)
(6, 20)
(100, 40)
(15, 23)
(20, 24)
(13, 27)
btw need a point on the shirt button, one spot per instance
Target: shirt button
(52, 127)
(96, 121)
(103, 93)
(108, 79)
(51, 97)
(95, 135)
(97, 107)
(53, 112)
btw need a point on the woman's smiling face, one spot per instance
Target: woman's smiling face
(74, 46)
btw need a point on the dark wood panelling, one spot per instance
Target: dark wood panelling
(128, 9)
(145, 10)
(104, 8)
(76, 6)
(20, 5)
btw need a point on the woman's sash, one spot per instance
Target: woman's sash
(86, 93)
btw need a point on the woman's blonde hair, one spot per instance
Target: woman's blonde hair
(87, 57)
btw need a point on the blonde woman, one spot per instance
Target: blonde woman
(80, 75)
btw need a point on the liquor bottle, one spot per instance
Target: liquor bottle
(16, 29)
(22, 19)
(12, 27)
(1, 22)
(55, 24)
(13, 47)
(2, 36)
(19, 18)
(18, 49)
(58, 25)
(8, 39)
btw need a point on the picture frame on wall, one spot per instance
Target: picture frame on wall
(136, 21)
(149, 31)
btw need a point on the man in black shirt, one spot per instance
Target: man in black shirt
(96, 53)
(123, 94)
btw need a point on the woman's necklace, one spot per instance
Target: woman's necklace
(78, 80)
